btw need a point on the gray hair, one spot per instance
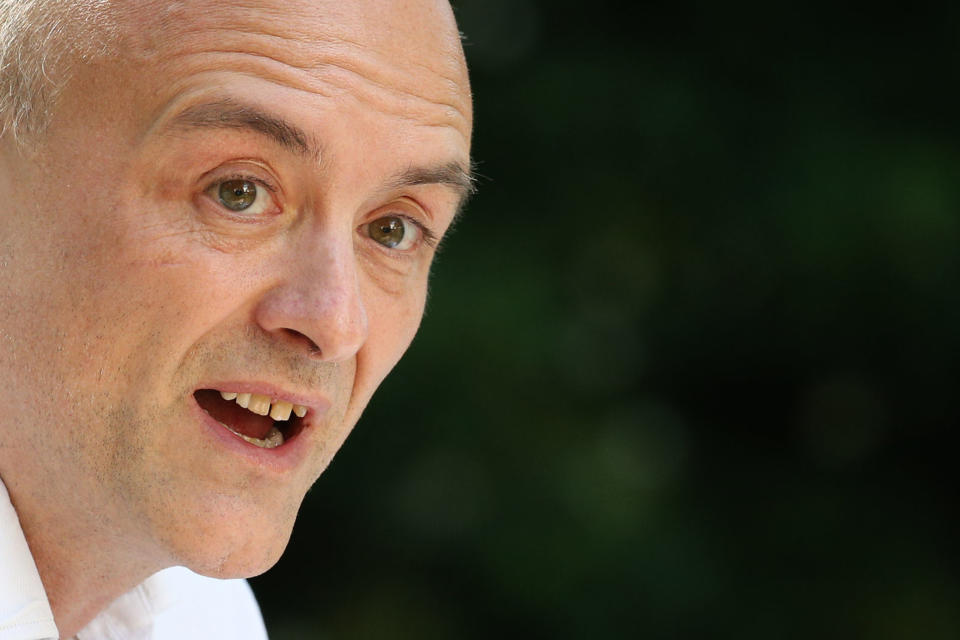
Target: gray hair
(39, 41)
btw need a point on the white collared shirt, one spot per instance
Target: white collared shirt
(174, 604)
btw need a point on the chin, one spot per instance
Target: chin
(236, 557)
(223, 542)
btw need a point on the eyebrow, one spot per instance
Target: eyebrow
(230, 114)
(451, 174)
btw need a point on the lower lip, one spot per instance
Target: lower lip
(279, 460)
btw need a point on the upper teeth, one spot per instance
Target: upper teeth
(261, 405)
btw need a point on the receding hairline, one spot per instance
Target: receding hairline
(40, 42)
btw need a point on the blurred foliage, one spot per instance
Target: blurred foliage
(690, 360)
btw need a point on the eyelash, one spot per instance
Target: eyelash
(428, 236)
(260, 182)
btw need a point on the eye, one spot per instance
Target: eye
(393, 232)
(241, 195)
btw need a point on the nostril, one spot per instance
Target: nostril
(299, 337)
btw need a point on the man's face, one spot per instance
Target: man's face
(244, 200)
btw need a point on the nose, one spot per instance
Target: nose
(317, 305)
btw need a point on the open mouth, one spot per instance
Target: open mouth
(260, 420)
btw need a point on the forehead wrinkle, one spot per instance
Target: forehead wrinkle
(431, 96)
(290, 45)
(342, 74)
(406, 106)
(378, 60)
(302, 36)
(409, 67)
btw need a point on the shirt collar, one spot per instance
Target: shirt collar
(133, 615)
(24, 609)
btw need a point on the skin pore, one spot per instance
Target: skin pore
(130, 284)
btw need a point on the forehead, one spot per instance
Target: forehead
(397, 57)
(402, 28)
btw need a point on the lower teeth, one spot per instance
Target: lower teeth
(273, 440)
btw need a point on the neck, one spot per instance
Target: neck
(84, 563)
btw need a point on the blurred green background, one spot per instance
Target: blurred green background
(689, 366)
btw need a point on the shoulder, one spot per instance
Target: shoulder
(201, 607)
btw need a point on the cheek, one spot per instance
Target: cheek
(133, 311)
(394, 321)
